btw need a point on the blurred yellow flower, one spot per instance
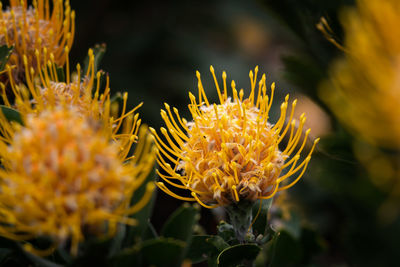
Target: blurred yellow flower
(61, 178)
(28, 29)
(230, 152)
(44, 89)
(364, 89)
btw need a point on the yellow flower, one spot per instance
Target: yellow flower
(62, 178)
(364, 89)
(230, 152)
(35, 28)
(43, 89)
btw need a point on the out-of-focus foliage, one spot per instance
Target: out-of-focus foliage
(356, 216)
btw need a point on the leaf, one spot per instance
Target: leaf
(205, 247)
(201, 248)
(218, 242)
(238, 254)
(128, 257)
(151, 232)
(96, 251)
(293, 225)
(260, 226)
(11, 114)
(278, 251)
(155, 252)
(5, 53)
(162, 252)
(312, 244)
(143, 215)
(38, 261)
(226, 231)
(4, 253)
(116, 242)
(180, 224)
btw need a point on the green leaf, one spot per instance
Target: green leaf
(154, 252)
(278, 252)
(5, 53)
(116, 242)
(293, 225)
(238, 254)
(38, 261)
(205, 247)
(98, 51)
(4, 253)
(151, 232)
(128, 257)
(162, 252)
(97, 251)
(260, 226)
(218, 242)
(201, 248)
(11, 114)
(142, 216)
(226, 231)
(180, 224)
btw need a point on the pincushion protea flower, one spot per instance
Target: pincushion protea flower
(368, 73)
(229, 152)
(83, 93)
(61, 176)
(35, 28)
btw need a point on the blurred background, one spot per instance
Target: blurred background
(340, 213)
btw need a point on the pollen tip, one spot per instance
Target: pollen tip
(287, 98)
(150, 186)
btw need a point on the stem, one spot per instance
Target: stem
(241, 215)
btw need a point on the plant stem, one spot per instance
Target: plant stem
(240, 215)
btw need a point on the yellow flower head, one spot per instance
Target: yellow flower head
(44, 89)
(28, 29)
(61, 177)
(364, 89)
(230, 152)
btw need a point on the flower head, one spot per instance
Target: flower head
(230, 152)
(364, 87)
(38, 28)
(61, 176)
(46, 88)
